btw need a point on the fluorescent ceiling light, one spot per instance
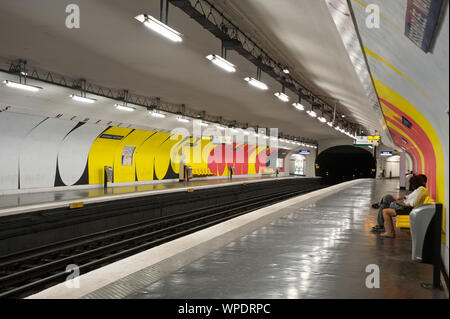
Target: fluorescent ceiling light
(157, 114)
(311, 113)
(298, 106)
(204, 124)
(258, 84)
(283, 97)
(220, 127)
(330, 124)
(182, 120)
(82, 99)
(222, 63)
(124, 108)
(21, 86)
(286, 71)
(159, 27)
(322, 119)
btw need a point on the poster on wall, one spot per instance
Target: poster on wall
(127, 155)
(421, 20)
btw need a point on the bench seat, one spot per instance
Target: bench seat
(402, 221)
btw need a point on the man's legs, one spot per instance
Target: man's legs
(388, 213)
(385, 202)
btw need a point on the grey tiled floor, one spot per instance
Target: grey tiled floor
(317, 251)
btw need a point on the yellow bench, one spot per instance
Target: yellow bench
(201, 172)
(267, 171)
(402, 221)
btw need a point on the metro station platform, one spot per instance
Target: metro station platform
(11, 204)
(316, 245)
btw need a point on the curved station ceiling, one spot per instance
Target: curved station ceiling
(114, 50)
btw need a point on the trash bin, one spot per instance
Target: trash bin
(108, 175)
(425, 225)
(188, 173)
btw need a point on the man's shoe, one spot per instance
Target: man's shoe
(377, 229)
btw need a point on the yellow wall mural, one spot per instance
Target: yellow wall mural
(140, 155)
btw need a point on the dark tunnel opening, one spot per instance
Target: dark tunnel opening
(343, 163)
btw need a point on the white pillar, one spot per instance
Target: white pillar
(181, 167)
(402, 170)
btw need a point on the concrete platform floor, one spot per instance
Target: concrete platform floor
(318, 251)
(26, 199)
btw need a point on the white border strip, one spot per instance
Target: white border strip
(122, 278)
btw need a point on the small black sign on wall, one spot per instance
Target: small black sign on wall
(406, 123)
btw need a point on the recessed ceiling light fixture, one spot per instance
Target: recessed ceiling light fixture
(159, 27)
(282, 96)
(258, 84)
(311, 113)
(82, 99)
(22, 86)
(322, 119)
(298, 106)
(157, 114)
(182, 119)
(124, 108)
(222, 63)
(286, 71)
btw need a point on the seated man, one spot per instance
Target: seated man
(387, 200)
(414, 199)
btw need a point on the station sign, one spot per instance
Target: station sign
(371, 140)
(421, 21)
(219, 140)
(112, 137)
(304, 152)
(385, 153)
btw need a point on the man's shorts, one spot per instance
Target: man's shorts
(400, 208)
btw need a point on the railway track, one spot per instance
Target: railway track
(30, 271)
